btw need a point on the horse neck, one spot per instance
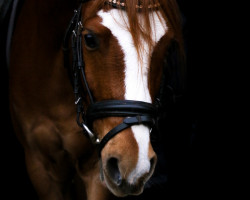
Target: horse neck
(42, 25)
(49, 18)
(36, 63)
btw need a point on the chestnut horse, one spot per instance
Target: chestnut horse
(118, 51)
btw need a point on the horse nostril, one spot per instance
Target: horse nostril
(113, 170)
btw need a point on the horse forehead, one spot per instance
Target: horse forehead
(117, 21)
(136, 69)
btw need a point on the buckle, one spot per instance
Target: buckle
(91, 135)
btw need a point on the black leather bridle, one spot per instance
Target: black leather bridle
(135, 112)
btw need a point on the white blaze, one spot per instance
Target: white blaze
(136, 76)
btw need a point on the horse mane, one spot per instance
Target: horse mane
(168, 9)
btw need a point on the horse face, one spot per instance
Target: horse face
(114, 70)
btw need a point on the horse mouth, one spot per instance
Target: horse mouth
(121, 187)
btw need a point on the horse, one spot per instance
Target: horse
(84, 77)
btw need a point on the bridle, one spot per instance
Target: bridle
(135, 112)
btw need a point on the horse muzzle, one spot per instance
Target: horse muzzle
(123, 167)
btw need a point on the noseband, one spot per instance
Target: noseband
(134, 112)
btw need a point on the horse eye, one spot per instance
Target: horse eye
(91, 41)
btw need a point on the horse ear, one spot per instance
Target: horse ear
(175, 69)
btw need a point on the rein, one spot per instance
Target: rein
(135, 112)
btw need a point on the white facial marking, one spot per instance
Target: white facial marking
(136, 76)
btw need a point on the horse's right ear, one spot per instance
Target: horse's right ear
(175, 69)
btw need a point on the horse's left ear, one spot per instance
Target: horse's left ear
(175, 69)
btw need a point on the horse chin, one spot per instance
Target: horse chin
(123, 188)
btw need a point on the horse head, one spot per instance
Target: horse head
(121, 46)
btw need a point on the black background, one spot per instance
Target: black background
(194, 170)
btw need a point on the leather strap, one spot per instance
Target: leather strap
(127, 122)
(119, 108)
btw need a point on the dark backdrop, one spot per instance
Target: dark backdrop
(189, 151)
